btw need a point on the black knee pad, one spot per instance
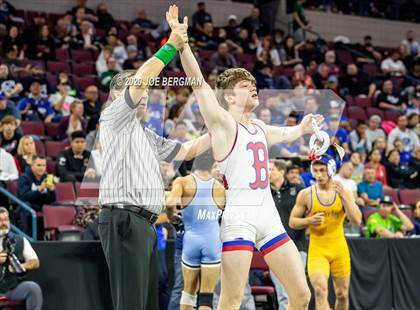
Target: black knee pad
(205, 299)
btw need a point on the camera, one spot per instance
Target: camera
(9, 248)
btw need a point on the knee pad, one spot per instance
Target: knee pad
(188, 299)
(205, 299)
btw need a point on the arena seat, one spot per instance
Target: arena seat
(356, 113)
(65, 193)
(40, 147)
(375, 111)
(87, 192)
(370, 69)
(363, 102)
(81, 56)
(409, 196)
(205, 54)
(83, 69)
(62, 54)
(54, 148)
(264, 296)
(349, 100)
(58, 223)
(344, 56)
(32, 128)
(52, 130)
(51, 166)
(103, 96)
(397, 83)
(392, 116)
(368, 211)
(83, 82)
(393, 194)
(58, 66)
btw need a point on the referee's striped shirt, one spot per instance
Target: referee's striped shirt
(130, 158)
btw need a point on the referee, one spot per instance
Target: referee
(131, 188)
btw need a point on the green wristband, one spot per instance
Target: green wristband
(166, 53)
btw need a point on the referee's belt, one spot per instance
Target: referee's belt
(149, 216)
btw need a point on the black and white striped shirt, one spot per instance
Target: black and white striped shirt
(130, 158)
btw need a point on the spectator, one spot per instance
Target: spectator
(369, 53)
(200, 17)
(36, 188)
(143, 21)
(293, 174)
(413, 123)
(8, 172)
(101, 62)
(65, 31)
(300, 23)
(406, 58)
(92, 107)
(321, 76)
(143, 50)
(384, 224)
(358, 139)
(206, 38)
(105, 19)
(301, 78)
(38, 74)
(118, 48)
(61, 100)
(374, 160)
(232, 28)
(13, 42)
(393, 65)
(254, 24)
(408, 136)
(132, 57)
(43, 46)
(289, 53)
(416, 218)
(6, 12)
(358, 167)
(344, 177)
(355, 83)
(268, 46)
(9, 86)
(155, 109)
(180, 132)
(73, 162)
(88, 13)
(34, 107)
(370, 190)
(388, 99)
(265, 116)
(399, 176)
(373, 131)
(9, 137)
(73, 122)
(414, 165)
(380, 144)
(411, 43)
(86, 39)
(330, 62)
(247, 46)
(8, 108)
(25, 152)
(222, 60)
(332, 84)
(12, 285)
(111, 71)
(284, 195)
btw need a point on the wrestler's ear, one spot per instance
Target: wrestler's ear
(229, 98)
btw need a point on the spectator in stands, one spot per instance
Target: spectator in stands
(222, 60)
(265, 115)
(374, 160)
(9, 86)
(232, 28)
(143, 50)
(380, 144)
(408, 136)
(411, 43)
(65, 32)
(12, 286)
(112, 70)
(34, 107)
(267, 45)
(73, 122)
(344, 177)
(373, 131)
(105, 18)
(321, 76)
(289, 53)
(416, 218)
(8, 172)
(406, 57)
(200, 17)
(38, 74)
(265, 79)
(9, 137)
(393, 65)
(73, 162)
(82, 13)
(370, 190)
(13, 41)
(355, 83)
(92, 107)
(369, 53)
(358, 167)
(300, 23)
(293, 174)
(43, 46)
(414, 165)
(180, 132)
(143, 21)
(104, 55)
(25, 152)
(177, 105)
(330, 61)
(8, 108)
(399, 176)
(6, 12)
(88, 12)
(132, 57)
(61, 100)
(388, 99)
(358, 139)
(244, 42)
(36, 188)
(300, 77)
(86, 39)
(206, 38)
(384, 224)
(254, 24)
(118, 48)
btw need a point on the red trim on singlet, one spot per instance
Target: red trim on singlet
(251, 133)
(256, 124)
(234, 143)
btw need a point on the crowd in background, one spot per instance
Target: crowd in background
(379, 127)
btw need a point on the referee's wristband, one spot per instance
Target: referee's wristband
(166, 53)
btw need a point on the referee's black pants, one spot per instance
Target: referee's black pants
(129, 244)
